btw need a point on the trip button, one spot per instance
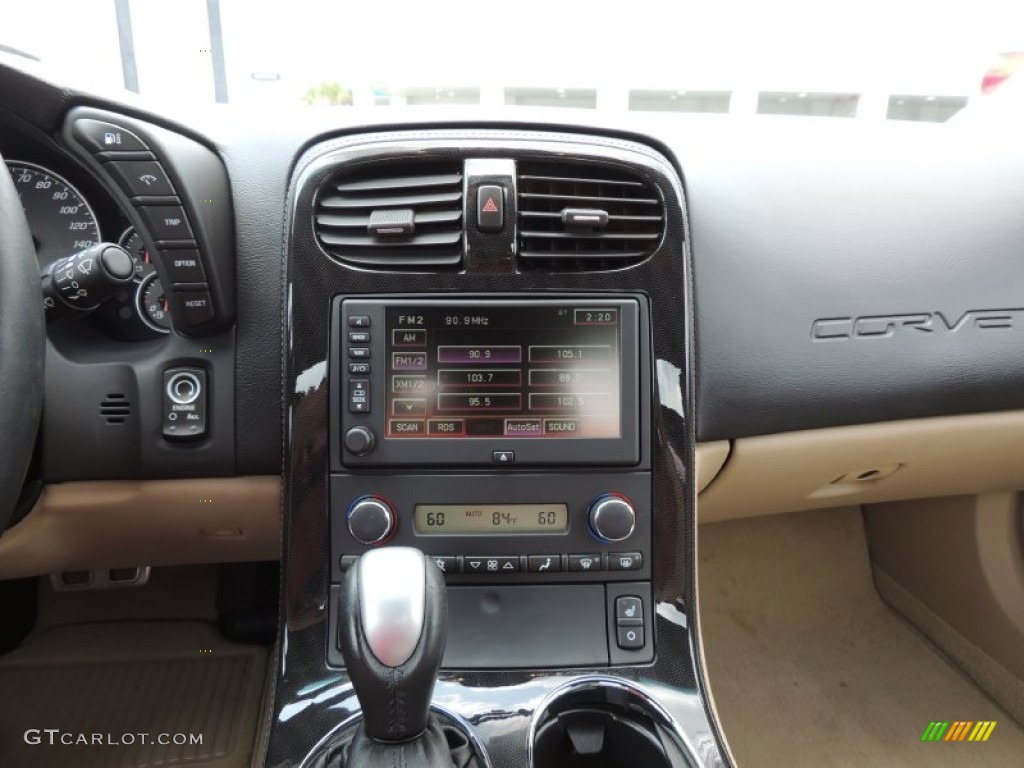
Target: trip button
(584, 563)
(197, 304)
(166, 222)
(138, 178)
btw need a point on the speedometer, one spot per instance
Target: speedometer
(61, 221)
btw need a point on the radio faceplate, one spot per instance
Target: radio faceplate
(525, 380)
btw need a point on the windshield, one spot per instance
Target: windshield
(898, 60)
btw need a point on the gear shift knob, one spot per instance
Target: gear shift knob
(392, 630)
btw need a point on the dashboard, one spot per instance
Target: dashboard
(508, 340)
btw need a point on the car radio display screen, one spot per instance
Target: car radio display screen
(503, 371)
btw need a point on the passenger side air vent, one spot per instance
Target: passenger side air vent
(576, 216)
(115, 408)
(393, 215)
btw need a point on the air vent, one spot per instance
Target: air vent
(115, 408)
(393, 215)
(586, 217)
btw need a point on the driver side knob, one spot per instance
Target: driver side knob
(371, 520)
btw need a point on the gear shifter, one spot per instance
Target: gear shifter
(393, 629)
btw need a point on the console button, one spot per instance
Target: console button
(625, 561)
(585, 563)
(166, 222)
(359, 337)
(630, 638)
(347, 561)
(472, 564)
(359, 321)
(359, 353)
(629, 609)
(504, 564)
(138, 178)
(359, 368)
(544, 563)
(503, 457)
(447, 563)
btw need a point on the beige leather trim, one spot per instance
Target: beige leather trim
(889, 461)
(710, 460)
(85, 525)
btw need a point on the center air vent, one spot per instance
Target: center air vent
(393, 215)
(585, 217)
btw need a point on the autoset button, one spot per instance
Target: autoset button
(166, 222)
(183, 266)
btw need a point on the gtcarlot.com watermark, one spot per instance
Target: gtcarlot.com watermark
(54, 736)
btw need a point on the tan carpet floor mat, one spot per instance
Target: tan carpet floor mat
(808, 667)
(112, 682)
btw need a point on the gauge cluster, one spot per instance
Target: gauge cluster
(68, 212)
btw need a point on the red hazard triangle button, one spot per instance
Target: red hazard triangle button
(490, 208)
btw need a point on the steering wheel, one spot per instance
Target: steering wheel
(22, 346)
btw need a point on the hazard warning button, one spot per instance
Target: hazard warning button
(490, 208)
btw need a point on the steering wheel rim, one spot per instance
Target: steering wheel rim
(22, 347)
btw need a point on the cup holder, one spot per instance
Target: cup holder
(604, 723)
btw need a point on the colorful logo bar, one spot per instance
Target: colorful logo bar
(958, 730)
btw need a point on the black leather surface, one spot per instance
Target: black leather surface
(22, 338)
(395, 700)
(916, 227)
(436, 747)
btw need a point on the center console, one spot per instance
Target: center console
(509, 439)
(489, 360)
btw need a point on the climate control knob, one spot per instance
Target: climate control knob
(370, 520)
(612, 518)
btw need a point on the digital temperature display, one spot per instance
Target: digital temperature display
(503, 519)
(543, 371)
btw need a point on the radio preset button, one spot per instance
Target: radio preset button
(544, 563)
(585, 563)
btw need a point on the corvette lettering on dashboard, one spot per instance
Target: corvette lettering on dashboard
(885, 326)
